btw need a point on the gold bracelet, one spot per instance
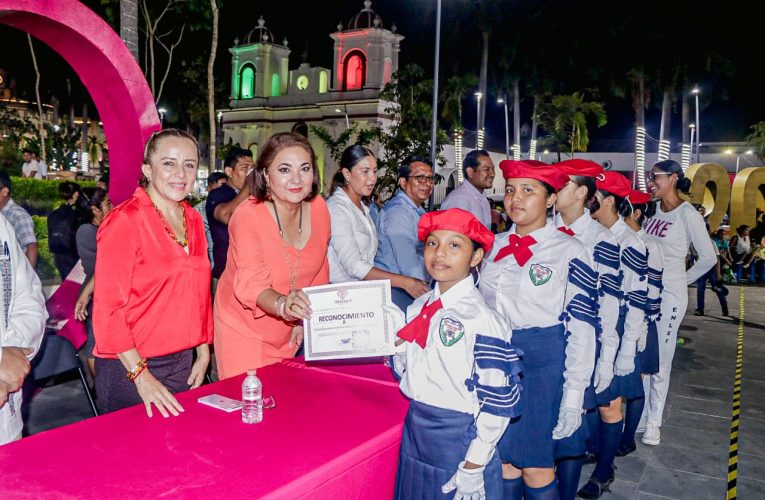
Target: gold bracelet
(139, 368)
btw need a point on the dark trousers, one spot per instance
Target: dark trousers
(115, 391)
(701, 285)
(65, 262)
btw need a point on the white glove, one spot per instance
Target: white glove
(396, 318)
(569, 420)
(467, 482)
(625, 360)
(604, 373)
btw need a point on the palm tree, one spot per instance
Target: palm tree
(640, 99)
(666, 119)
(565, 118)
(211, 84)
(95, 150)
(456, 89)
(129, 25)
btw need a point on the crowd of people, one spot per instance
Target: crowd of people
(524, 346)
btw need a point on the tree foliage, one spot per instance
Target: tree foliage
(61, 141)
(408, 96)
(757, 139)
(565, 118)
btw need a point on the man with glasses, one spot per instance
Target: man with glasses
(400, 251)
(478, 170)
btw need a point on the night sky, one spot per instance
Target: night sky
(730, 104)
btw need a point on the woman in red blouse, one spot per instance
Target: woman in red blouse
(152, 303)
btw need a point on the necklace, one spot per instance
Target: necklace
(182, 242)
(298, 248)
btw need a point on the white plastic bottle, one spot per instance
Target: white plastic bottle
(252, 399)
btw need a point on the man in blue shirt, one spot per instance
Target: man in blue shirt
(478, 170)
(222, 202)
(214, 181)
(400, 251)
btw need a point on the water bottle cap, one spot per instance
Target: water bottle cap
(251, 372)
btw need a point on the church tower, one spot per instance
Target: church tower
(259, 67)
(366, 54)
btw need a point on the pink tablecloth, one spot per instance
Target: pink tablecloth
(375, 369)
(331, 435)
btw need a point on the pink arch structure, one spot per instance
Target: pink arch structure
(106, 68)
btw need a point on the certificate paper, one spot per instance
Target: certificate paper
(348, 321)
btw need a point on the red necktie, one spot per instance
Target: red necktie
(519, 247)
(564, 229)
(417, 329)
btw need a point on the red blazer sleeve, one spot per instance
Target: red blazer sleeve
(245, 249)
(117, 255)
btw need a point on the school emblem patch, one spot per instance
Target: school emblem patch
(450, 331)
(539, 274)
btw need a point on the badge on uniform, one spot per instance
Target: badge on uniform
(451, 331)
(539, 274)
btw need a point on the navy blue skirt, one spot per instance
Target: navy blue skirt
(628, 386)
(528, 441)
(649, 357)
(432, 448)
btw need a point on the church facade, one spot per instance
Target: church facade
(268, 97)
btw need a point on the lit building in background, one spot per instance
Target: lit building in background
(267, 97)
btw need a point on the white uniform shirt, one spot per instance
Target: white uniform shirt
(22, 317)
(42, 169)
(542, 292)
(353, 244)
(28, 167)
(674, 232)
(655, 272)
(634, 262)
(469, 198)
(605, 252)
(436, 375)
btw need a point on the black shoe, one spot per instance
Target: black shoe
(725, 312)
(625, 450)
(595, 487)
(698, 312)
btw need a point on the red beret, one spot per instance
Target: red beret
(576, 166)
(639, 197)
(459, 221)
(535, 163)
(506, 164)
(512, 169)
(614, 183)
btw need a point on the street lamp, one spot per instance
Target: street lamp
(507, 129)
(479, 131)
(696, 91)
(344, 111)
(434, 118)
(687, 151)
(162, 112)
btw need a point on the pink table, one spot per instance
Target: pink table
(331, 435)
(373, 370)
